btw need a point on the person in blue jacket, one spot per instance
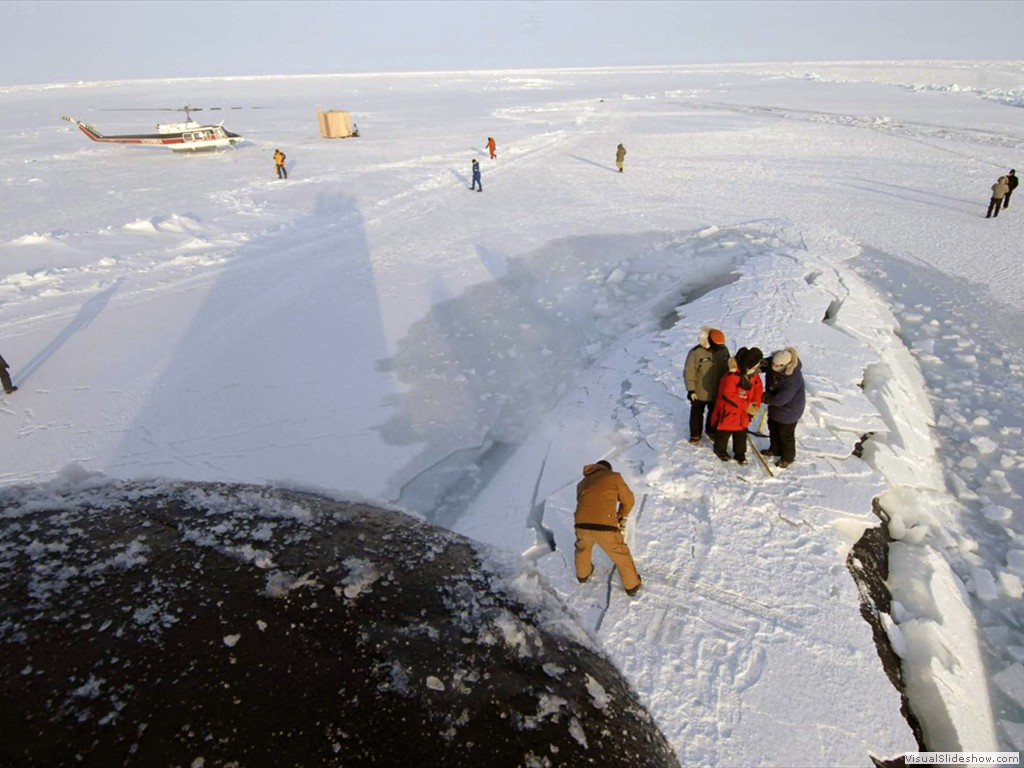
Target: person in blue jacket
(476, 178)
(785, 395)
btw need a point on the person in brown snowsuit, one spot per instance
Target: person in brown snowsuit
(603, 504)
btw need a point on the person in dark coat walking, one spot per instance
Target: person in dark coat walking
(5, 377)
(620, 157)
(476, 178)
(999, 190)
(786, 397)
(705, 366)
(1011, 183)
(739, 398)
(603, 504)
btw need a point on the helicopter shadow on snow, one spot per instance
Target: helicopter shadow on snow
(295, 317)
(92, 309)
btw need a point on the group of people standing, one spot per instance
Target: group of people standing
(1001, 192)
(725, 393)
(729, 389)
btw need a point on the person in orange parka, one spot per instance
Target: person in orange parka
(491, 147)
(740, 393)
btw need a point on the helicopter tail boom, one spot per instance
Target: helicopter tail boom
(88, 130)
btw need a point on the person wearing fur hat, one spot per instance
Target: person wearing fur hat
(705, 366)
(739, 399)
(786, 397)
(1011, 184)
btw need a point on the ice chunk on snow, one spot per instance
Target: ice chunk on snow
(1011, 584)
(984, 584)
(997, 513)
(899, 642)
(1011, 681)
(984, 444)
(1015, 560)
(617, 276)
(899, 613)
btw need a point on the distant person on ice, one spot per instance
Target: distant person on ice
(476, 178)
(739, 399)
(705, 366)
(786, 397)
(1011, 184)
(5, 378)
(620, 157)
(282, 172)
(603, 504)
(999, 191)
(492, 147)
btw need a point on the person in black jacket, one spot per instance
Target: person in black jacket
(5, 377)
(1011, 183)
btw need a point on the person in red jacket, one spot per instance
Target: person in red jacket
(739, 399)
(491, 147)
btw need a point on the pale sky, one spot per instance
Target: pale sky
(59, 41)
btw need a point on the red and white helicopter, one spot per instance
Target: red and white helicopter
(189, 136)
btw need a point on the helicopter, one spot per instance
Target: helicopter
(189, 136)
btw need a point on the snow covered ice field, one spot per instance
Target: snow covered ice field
(370, 328)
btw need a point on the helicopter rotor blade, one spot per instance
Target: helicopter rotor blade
(171, 109)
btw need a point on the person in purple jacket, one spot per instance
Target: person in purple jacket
(784, 393)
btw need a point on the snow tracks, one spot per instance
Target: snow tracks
(746, 641)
